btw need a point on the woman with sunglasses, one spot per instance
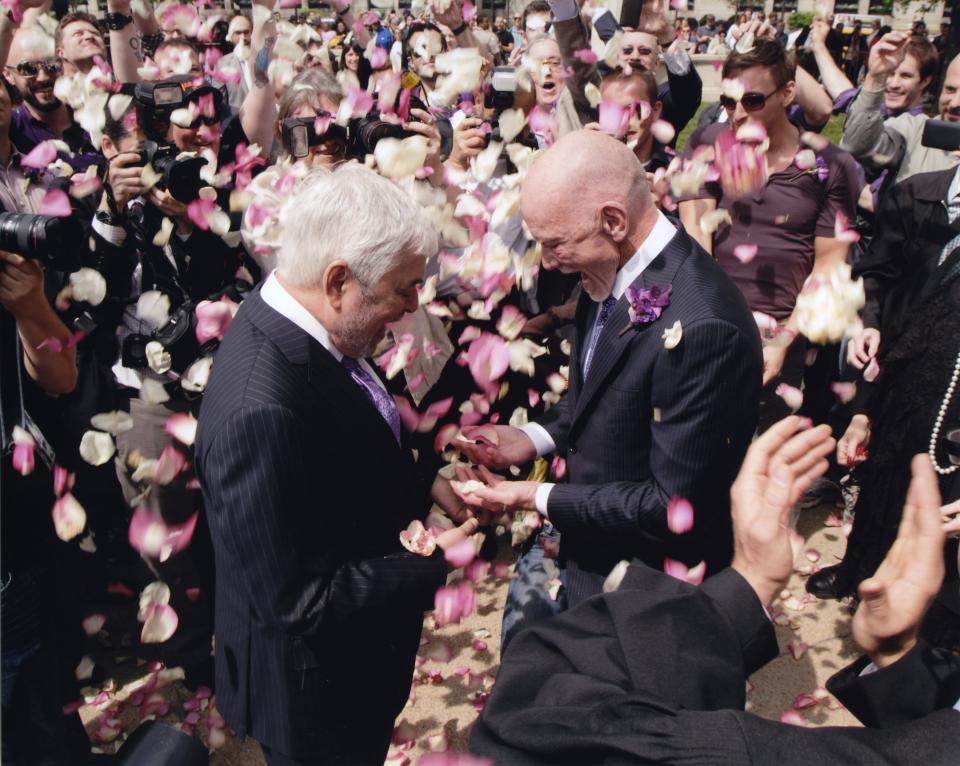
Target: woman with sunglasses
(783, 219)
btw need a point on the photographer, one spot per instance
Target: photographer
(36, 662)
(138, 251)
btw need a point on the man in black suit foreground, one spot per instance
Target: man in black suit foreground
(308, 483)
(654, 672)
(665, 375)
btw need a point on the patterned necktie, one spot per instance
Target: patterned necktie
(375, 393)
(947, 251)
(602, 316)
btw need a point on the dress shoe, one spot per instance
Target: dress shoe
(829, 582)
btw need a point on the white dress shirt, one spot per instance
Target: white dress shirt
(276, 297)
(659, 237)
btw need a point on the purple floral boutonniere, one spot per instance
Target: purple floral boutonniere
(646, 305)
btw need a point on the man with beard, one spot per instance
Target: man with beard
(34, 70)
(319, 607)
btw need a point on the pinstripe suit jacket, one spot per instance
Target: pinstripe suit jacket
(650, 423)
(318, 607)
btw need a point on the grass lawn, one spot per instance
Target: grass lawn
(832, 130)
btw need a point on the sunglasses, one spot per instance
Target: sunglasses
(628, 50)
(51, 66)
(752, 102)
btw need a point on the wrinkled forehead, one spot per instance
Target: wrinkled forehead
(639, 40)
(543, 48)
(79, 27)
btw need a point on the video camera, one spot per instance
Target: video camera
(940, 134)
(52, 241)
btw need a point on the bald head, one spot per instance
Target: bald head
(586, 200)
(950, 95)
(584, 169)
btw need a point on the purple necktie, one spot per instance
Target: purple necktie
(375, 393)
(602, 316)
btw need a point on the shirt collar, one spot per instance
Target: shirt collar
(953, 192)
(659, 237)
(276, 296)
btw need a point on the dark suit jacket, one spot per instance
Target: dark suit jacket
(654, 673)
(650, 424)
(318, 607)
(912, 230)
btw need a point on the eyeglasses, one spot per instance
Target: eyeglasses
(52, 66)
(752, 102)
(628, 50)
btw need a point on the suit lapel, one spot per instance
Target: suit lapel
(325, 374)
(613, 342)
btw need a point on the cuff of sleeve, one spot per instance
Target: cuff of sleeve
(542, 441)
(564, 10)
(115, 235)
(677, 61)
(542, 498)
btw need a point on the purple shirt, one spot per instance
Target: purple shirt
(26, 131)
(782, 220)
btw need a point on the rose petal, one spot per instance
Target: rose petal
(679, 570)
(56, 203)
(663, 131)
(792, 396)
(679, 515)
(672, 336)
(93, 624)
(615, 577)
(69, 517)
(461, 554)
(97, 447)
(89, 286)
(161, 623)
(871, 371)
(745, 253)
(182, 427)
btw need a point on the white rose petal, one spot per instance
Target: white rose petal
(89, 286)
(615, 577)
(197, 375)
(112, 422)
(153, 307)
(157, 357)
(97, 447)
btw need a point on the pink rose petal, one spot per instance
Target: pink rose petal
(745, 253)
(461, 554)
(679, 515)
(679, 570)
(56, 203)
(160, 625)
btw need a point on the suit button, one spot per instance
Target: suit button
(572, 449)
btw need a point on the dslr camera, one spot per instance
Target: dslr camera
(52, 241)
(155, 103)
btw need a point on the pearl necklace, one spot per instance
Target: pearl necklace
(938, 424)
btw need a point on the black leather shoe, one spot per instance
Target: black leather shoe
(827, 583)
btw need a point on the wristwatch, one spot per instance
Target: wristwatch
(460, 30)
(116, 21)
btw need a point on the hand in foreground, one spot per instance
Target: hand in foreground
(894, 601)
(779, 467)
(852, 447)
(21, 286)
(886, 56)
(863, 347)
(498, 495)
(512, 447)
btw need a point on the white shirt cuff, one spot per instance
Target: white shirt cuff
(542, 498)
(564, 10)
(115, 235)
(677, 60)
(542, 441)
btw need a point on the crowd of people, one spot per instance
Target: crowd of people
(300, 313)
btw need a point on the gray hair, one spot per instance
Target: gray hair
(309, 87)
(354, 215)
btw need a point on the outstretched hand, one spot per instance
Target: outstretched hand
(508, 446)
(496, 495)
(894, 601)
(779, 467)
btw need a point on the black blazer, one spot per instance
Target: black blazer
(654, 673)
(650, 424)
(318, 607)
